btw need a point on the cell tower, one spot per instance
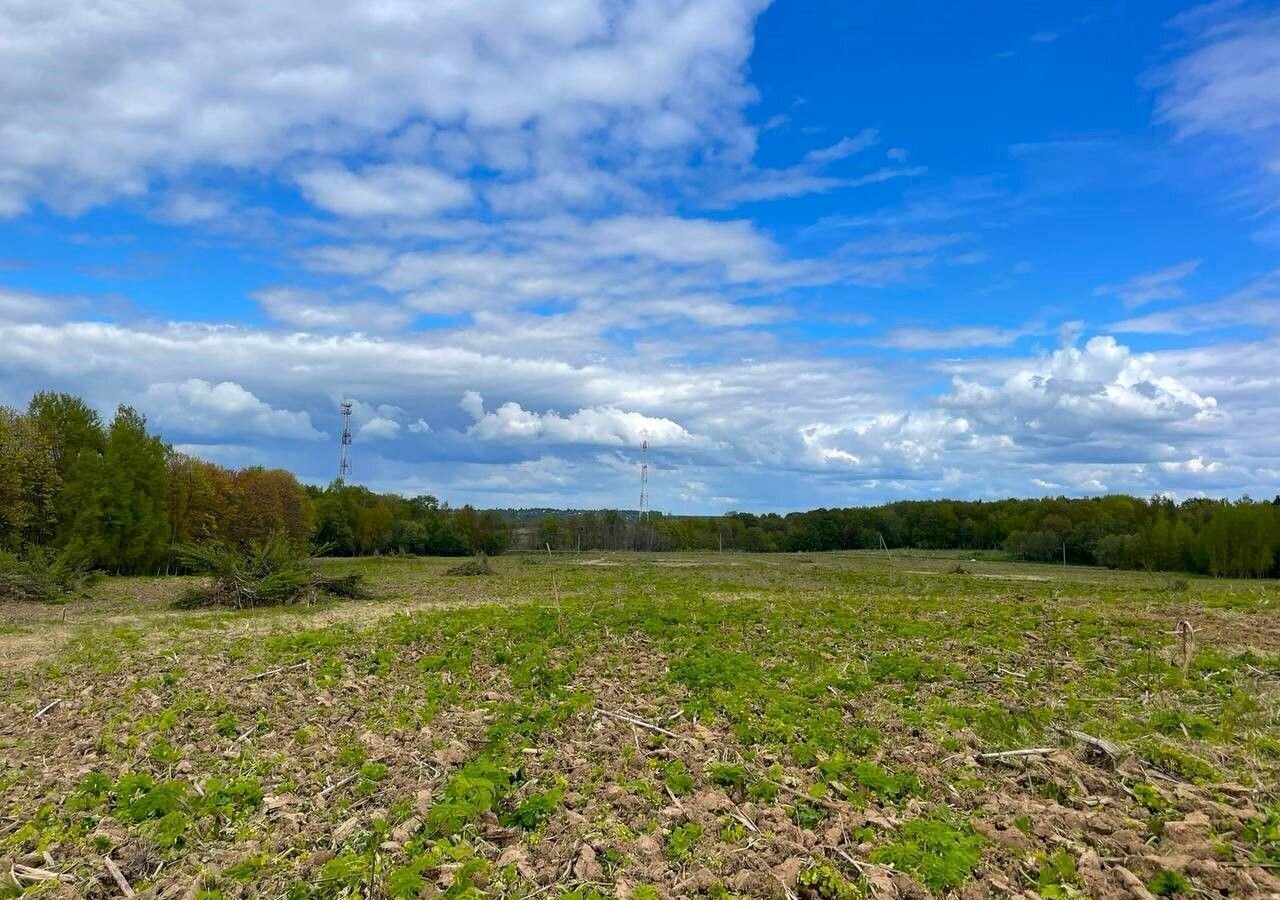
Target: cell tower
(644, 479)
(344, 456)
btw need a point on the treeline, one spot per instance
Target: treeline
(1212, 537)
(117, 498)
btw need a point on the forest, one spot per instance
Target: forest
(116, 496)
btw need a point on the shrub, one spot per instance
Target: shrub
(42, 576)
(263, 573)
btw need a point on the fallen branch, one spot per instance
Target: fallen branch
(1100, 746)
(277, 671)
(639, 723)
(118, 876)
(50, 706)
(1012, 754)
(341, 784)
(29, 873)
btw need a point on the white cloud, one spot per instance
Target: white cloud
(960, 337)
(18, 306)
(199, 407)
(796, 182)
(389, 191)
(164, 90)
(844, 147)
(831, 428)
(473, 405)
(1166, 284)
(379, 429)
(1194, 466)
(1229, 83)
(189, 207)
(1256, 304)
(599, 426)
(310, 311)
(1225, 87)
(419, 427)
(616, 269)
(1100, 392)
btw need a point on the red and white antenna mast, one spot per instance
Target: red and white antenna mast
(344, 455)
(644, 478)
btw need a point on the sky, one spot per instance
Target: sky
(817, 254)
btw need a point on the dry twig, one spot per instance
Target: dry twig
(639, 723)
(1013, 754)
(276, 671)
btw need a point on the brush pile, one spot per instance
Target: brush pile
(42, 576)
(477, 565)
(263, 573)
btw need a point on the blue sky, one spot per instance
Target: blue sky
(818, 254)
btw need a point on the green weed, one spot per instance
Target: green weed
(938, 849)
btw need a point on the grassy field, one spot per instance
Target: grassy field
(645, 726)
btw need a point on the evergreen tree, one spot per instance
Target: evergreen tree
(76, 442)
(134, 525)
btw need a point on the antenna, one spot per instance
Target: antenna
(644, 478)
(344, 455)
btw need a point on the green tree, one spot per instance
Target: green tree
(134, 525)
(28, 482)
(76, 442)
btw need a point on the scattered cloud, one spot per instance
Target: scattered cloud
(1223, 86)
(1165, 284)
(845, 147)
(1256, 305)
(958, 338)
(389, 191)
(522, 90)
(311, 311)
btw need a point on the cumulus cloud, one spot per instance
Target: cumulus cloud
(600, 426)
(1101, 392)
(199, 407)
(831, 428)
(379, 429)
